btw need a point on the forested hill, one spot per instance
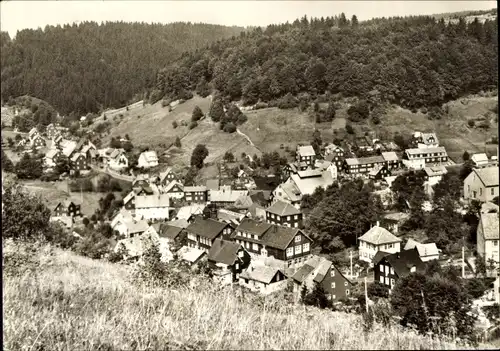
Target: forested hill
(87, 66)
(413, 61)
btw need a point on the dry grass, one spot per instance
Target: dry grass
(81, 304)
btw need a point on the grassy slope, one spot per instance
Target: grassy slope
(78, 303)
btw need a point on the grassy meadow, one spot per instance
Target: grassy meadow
(56, 300)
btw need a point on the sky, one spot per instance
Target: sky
(17, 15)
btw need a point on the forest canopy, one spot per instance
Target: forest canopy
(83, 68)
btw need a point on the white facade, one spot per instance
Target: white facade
(367, 250)
(147, 159)
(416, 163)
(121, 162)
(155, 213)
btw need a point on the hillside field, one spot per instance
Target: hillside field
(270, 128)
(63, 301)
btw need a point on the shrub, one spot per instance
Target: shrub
(349, 129)
(193, 125)
(471, 123)
(230, 128)
(260, 105)
(174, 124)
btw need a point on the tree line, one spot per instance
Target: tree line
(89, 66)
(412, 61)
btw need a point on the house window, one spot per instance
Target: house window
(381, 268)
(288, 218)
(289, 252)
(347, 292)
(297, 239)
(495, 242)
(297, 216)
(333, 297)
(386, 281)
(305, 247)
(392, 271)
(298, 249)
(345, 283)
(255, 247)
(480, 191)
(332, 273)
(333, 285)
(381, 280)
(246, 281)
(296, 225)
(240, 253)
(392, 282)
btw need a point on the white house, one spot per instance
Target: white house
(427, 252)
(434, 174)
(155, 207)
(488, 238)
(117, 160)
(51, 157)
(119, 221)
(377, 239)
(417, 158)
(426, 140)
(263, 279)
(174, 189)
(148, 159)
(479, 160)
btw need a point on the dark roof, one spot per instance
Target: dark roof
(253, 226)
(279, 237)
(402, 261)
(261, 197)
(80, 144)
(169, 231)
(207, 228)
(302, 273)
(223, 251)
(266, 183)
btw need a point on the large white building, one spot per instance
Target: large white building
(147, 159)
(375, 240)
(153, 207)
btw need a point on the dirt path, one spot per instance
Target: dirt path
(247, 138)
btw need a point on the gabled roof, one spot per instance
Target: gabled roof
(397, 216)
(402, 262)
(51, 153)
(370, 159)
(149, 156)
(206, 227)
(227, 216)
(429, 138)
(172, 184)
(292, 191)
(262, 274)
(226, 195)
(180, 223)
(191, 189)
(136, 226)
(308, 185)
(304, 271)
(423, 250)
(375, 170)
(489, 207)
(164, 175)
(260, 197)
(390, 156)
(283, 209)
(223, 251)
(489, 224)
(479, 158)
(253, 227)
(168, 231)
(416, 151)
(76, 156)
(68, 147)
(379, 236)
(185, 212)
(129, 197)
(152, 201)
(488, 175)
(279, 237)
(191, 254)
(307, 150)
(243, 202)
(308, 173)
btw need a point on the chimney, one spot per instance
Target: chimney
(378, 224)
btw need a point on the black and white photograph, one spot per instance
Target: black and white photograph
(250, 175)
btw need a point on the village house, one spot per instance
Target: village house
(37, 141)
(51, 131)
(480, 160)
(393, 221)
(168, 176)
(306, 154)
(227, 216)
(175, 190)
(152, 207)
(391, 159)
(67, 208)
(141, 180)
(433, 175)
(195, 194)
(150, 189)
(78, 162)
(169, 233)
(481, 184)
(66, 221)
(488, 238)
(285, 214)
(52, 157)
(335, 154)
(90, 152)
(288, 245)
(362, 165)
(379, 172)
(318, 270)
(419, 157)
(57, 140)
(227, 260)
(117, 160)
(426, 252)
(489, 207)
(263, 279)
(129, 201)
(363, 143)
(388, 268)
(288, 192)
(377, 239)
(147, 159)
(225, 196)
(292, 168)
(33, 133)
(188, 213)
(202, 232)
(425, 140)
(192, 256)
(67, 147)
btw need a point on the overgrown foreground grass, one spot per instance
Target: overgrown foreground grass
(74, 303)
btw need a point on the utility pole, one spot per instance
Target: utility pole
(350, 254)
(463, 262)
(366, 297)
